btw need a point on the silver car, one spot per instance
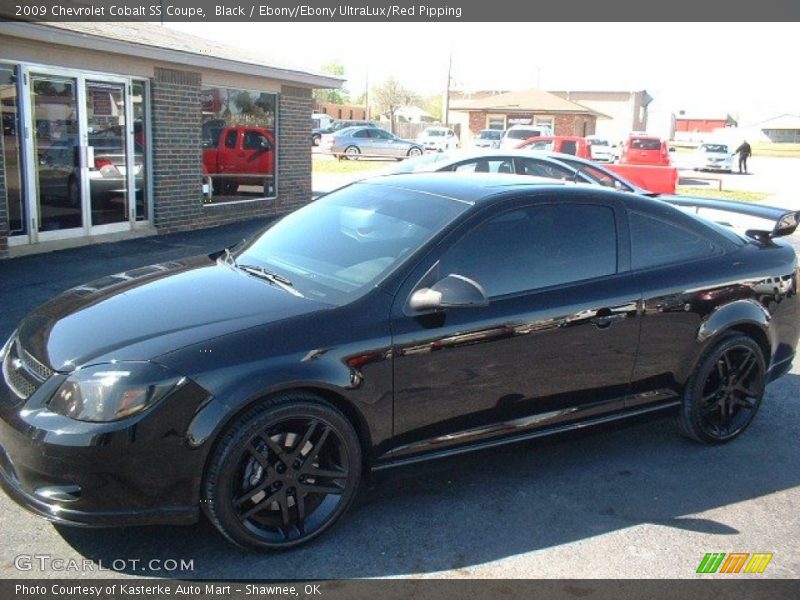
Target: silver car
(354, 142)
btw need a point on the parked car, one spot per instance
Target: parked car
(321, 121)
(338, 125)
(516, 134)
(600, 149)
(488, 138)
(644, 150)
(438, 139)
(59, 177)
(391, 321)
(352, 142)
(564, 144)
(240, 155)
(712, 157)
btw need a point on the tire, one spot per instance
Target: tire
(414, 151)
(315, 140)
(725, 391)
(266, 487)
(352, 152)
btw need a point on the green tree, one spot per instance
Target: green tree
(341, 96)
(391, 95)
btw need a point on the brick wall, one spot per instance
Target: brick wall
(3, 204)
(177, 153)
(573, 125)
(477, 121)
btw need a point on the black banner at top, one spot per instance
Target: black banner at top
(398, 10)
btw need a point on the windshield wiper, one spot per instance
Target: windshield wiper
(275, 279)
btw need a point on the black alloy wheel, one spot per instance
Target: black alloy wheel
(725, 392)
(283, 474)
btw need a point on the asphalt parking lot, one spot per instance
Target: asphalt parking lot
(632, 500)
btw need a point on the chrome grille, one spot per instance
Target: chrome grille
(23, 374)
(33, 365)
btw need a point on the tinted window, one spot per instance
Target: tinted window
(253, 140)
(381, 134)
(230, 138)
(645, 144)
(485, 165)
(656, 242)
(569, 147)
(531, 166)
(536, 247)
(523, 134)
(361, 133)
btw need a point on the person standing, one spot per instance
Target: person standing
(744, 151)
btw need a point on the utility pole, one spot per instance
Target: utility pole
(446, 107)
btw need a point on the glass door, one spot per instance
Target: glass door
(106, 153)
(56, 145)
(82, 169)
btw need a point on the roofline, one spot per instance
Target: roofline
(585, 111)
(54, 35)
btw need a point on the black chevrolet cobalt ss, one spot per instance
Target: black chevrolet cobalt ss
(397, 319)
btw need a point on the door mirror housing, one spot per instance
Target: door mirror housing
(454, 291)
(265, 144)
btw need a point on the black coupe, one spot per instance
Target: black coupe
(394, 320)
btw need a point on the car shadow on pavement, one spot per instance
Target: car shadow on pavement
(485, 506)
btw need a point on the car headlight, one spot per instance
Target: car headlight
(110, 392)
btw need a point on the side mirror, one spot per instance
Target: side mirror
(265, 144)
(454, 291)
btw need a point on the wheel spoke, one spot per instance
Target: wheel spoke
(283, 502)
(747, 402)
(710, 409)
(261, 505)
(300, 504)
(312, 456)
(312, 471)
(249, 495)
(311, 429)
(273, 445)
(315, 488)
(745, 368)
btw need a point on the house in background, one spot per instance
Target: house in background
(525, 107)
(698, 128)
(626, 111)
(782, 129)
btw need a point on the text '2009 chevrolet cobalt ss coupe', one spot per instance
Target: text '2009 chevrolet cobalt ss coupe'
(396, 319)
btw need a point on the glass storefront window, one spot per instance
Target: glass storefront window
(9, 105)
(239, 145)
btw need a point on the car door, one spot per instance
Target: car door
(556, 342)
(258, 152)
(386, 144)
(229, 152)
(364, 140)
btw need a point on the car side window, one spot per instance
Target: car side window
(230, 138)
(381, 134)
(538, 168)
(362, 133)
(253, 139)
(536, 247)
(655, 242)
(485, 165)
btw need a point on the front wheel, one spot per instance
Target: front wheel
(283, 473)
(725, 391)
(414, 152)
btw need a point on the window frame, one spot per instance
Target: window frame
(424, 272)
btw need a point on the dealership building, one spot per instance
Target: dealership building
(117, 130)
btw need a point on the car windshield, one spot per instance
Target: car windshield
(434, 132)
(490, 134)
(598, 142)
(715, 148)
(336, 249)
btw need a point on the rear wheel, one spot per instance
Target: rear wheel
(725, 391)
(283, 473)
(352, 152)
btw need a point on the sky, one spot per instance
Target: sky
(747, 70)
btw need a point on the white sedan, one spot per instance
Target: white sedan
(712, 157)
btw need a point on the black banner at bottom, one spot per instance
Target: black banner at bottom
(730, 588)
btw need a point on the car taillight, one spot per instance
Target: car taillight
(99, 163)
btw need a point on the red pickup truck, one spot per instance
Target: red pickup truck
(565, 144)
(237, 156)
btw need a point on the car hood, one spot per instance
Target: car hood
(143, 313)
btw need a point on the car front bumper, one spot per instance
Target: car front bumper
(140, 470)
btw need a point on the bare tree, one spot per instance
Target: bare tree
(391, 95)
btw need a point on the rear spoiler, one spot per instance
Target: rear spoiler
(785, 220)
